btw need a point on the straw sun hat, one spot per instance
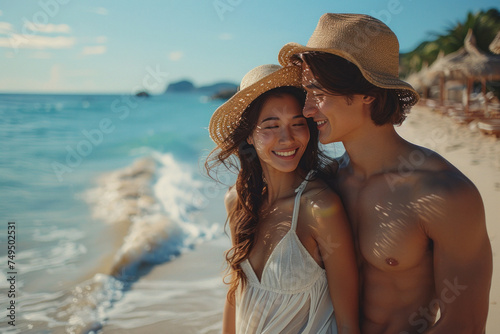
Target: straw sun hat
(364, 41)
(256, 82)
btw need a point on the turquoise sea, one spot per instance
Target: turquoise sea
(96, 192)
(101, 188)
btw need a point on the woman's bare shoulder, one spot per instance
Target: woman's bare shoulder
(324, 210)
(230, 198)
(320, 196)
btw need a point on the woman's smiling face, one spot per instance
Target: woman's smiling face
(281, 135)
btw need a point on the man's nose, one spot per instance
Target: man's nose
(310, 108)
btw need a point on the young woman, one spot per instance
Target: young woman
(292, 264)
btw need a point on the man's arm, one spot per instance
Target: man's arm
(454, 219)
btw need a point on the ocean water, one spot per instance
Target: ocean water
(98, 190)
(101, 189)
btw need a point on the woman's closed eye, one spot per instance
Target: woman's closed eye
(276, 126)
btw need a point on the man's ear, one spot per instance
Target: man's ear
(250, 140)
(368, 99)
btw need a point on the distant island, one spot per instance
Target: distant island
(220, 90)
(223, 94)
(142, 93)
(183, 86)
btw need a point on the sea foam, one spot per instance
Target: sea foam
(157, 198)
(158, 201)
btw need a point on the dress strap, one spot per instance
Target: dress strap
(296, 204)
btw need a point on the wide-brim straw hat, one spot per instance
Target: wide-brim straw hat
(364, 41)
(256, 82)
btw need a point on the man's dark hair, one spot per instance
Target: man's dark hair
(339, 76)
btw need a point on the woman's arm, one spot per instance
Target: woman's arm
(229, 318)
(229, 315)
(336, 247)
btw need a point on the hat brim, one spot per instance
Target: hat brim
(226, 118)
(378, 79)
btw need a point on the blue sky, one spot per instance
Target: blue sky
(77, 46)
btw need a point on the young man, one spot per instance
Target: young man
(418, 222)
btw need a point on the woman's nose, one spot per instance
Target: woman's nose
(285, 135)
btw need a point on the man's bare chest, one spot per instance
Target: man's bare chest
(386, 225)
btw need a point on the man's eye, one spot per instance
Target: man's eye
(271, 127)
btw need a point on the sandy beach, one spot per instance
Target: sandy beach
(478, 157)
(200, 310)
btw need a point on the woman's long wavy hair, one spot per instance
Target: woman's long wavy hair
(250, 186)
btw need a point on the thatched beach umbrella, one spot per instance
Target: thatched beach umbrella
(420, 80)
(448, 65)
(468, 63)
(445, 67)
(479, 65)
(495, 44)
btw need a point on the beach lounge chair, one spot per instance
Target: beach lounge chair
(489, 127)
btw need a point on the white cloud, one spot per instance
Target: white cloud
(176, 55)
(48, 28)
(226, 36)
(94, 50)
(15, 41)
(33, 36)
(6, 28)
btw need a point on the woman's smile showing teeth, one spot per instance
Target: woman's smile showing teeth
(285, 154)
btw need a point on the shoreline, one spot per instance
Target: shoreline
(183, 296)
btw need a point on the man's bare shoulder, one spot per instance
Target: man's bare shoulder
(438, 176)
(441, 193)
(428, 172)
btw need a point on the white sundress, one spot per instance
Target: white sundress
(292, 296)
